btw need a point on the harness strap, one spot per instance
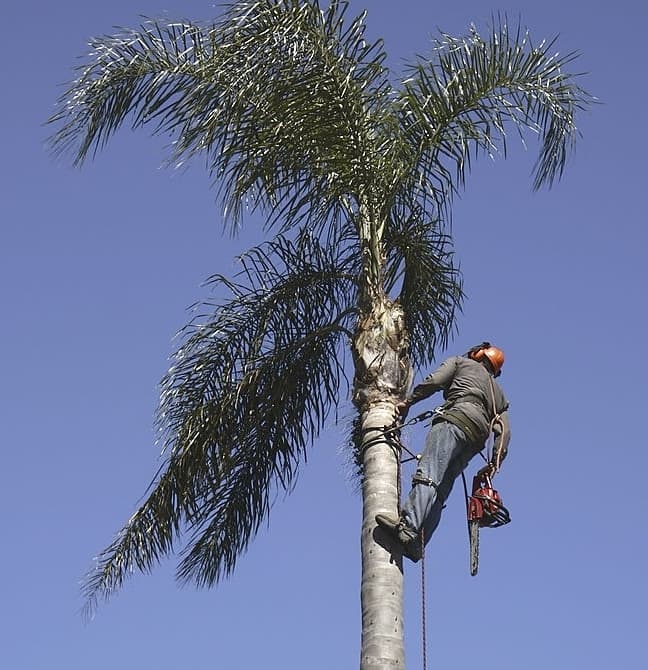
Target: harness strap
(419, 479)
(460, 420)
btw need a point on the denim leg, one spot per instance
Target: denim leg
(447, 452)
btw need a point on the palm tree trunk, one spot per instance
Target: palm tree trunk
(381, 591)
(383, 375)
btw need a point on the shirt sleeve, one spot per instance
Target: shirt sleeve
(435, 381)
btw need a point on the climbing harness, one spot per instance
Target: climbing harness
(426, 481)
(458, 419)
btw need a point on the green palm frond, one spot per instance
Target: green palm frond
(461, 101)
(279, 96)
(248, 392)
(421, 260)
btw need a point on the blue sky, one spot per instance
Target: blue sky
(98, 267)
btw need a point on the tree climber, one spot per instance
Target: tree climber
(475, 406)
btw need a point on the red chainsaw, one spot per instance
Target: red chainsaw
(485, 510)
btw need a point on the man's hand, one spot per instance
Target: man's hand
(488, 470)
(402, 408)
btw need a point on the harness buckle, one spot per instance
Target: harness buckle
(419, 479)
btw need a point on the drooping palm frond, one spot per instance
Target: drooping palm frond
(279, 96)
(248, 392)
(462, 100)
(420, 263)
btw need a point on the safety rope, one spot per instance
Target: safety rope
(416, 419)
(497, 419)
(423, 607)
(393, 432)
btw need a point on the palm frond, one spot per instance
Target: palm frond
(460, 103)
(420, 262)
(278, 96)
(136, 75)
(248, 392)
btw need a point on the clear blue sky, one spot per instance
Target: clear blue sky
(97, 269)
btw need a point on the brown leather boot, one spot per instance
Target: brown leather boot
(404, 534)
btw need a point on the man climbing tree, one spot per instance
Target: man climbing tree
(475, 407)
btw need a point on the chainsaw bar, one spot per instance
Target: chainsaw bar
(473, 535)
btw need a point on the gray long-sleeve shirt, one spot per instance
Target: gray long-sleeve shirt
(468, 386)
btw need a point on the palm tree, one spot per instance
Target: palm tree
(298, 120)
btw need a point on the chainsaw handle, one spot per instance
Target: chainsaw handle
(487, 472)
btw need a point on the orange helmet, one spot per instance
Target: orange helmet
(494, 356)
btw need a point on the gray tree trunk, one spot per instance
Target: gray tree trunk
(383, 375)
(381, 589)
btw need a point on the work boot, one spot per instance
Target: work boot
(404, 534)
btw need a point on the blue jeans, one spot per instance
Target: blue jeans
(447, 452)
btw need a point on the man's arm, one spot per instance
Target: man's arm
(502, 430)
(435, 381)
